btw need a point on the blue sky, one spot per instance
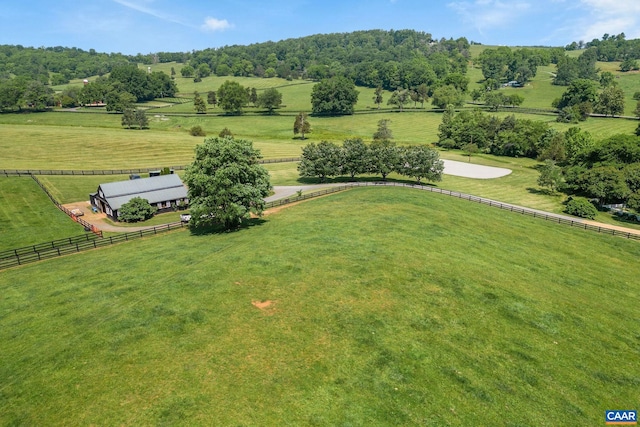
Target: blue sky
(145, 26)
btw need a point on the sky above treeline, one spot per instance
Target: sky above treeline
(148, 26)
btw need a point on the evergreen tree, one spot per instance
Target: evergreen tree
(199, 104)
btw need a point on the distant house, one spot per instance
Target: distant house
(163, 192)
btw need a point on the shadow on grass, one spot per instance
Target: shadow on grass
(626, 221)
(542, 191)
(219, 229)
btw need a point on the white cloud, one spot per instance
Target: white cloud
(213, 24)
(611, 17)
(149, 11)
(486, 14)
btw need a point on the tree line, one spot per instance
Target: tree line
(382, 157)
(607, 172)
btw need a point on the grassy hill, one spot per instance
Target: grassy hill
(373, 306)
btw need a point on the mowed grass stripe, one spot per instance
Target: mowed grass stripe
(388, 306)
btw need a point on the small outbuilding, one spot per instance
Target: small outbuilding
(164, 192)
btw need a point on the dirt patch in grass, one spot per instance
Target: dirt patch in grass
(267, 306)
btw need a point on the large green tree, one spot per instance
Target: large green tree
(270, 99)
(610, 101)
(421, 162)
(355, 157)
(232, 96)
(226, 183)
(334, 96)
(447, 95)
(320, 160)
(385, 158)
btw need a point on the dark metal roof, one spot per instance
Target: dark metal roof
(156, 189)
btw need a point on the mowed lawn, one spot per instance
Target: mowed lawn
(378, 306)
(28, 217)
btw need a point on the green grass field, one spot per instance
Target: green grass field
(28, 217)
(387, 307)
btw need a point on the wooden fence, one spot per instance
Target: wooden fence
(557, 218)
(34, 253)
(74, 217)
(77, 172)
(18, 257)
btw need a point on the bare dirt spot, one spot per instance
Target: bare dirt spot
(267, 306)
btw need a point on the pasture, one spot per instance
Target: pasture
(433, 311)
(28, 217)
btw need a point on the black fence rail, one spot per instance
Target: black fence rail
(74, 217)
(560, 219)
(22, 257)
(19, 258)
(71, 172)
(54, 244)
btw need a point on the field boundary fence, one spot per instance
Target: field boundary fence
(560, 219)
(17, 257)
(74, 217)
(80, 172)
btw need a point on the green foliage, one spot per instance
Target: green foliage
(232, 97)
(447, 95)
(197, 131)
(512, 65)
(128, 118)
(551, 176)
(383, 133)
(119, 101)
(225, 133)
(509, 137)
(399, 98)
(420, 162)
(142, 85)
(615, 48)
(320, 160)
(211, 98)
(132, 118)
(579, 206)
(355, 157)
(226, 183)
(577, 142)
(607, 79)
(610, 101)
(270, 99)
(141, 118)
(570, 69)
(629, 65)
(377, 97)
(580, 92)
(385, 158)
(335, 96)
(20, 93)
(198, 104)
(301, 125)
(187, 71)
(136, 209)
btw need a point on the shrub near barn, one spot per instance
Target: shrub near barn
(136, 209)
